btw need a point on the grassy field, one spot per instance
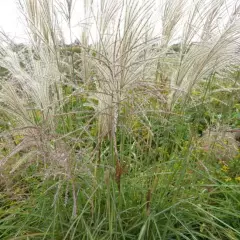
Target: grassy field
(133, 136)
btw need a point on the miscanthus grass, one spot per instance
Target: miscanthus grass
(100, 140)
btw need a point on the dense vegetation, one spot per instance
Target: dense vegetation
(134, 136)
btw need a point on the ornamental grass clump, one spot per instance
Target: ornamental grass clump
(99, 136)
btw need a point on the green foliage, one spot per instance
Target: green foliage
(190, 196)
(186, 203)
(103, 141)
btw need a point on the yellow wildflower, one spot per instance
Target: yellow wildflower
(237, 178)
(228, 179)
(225, 168)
